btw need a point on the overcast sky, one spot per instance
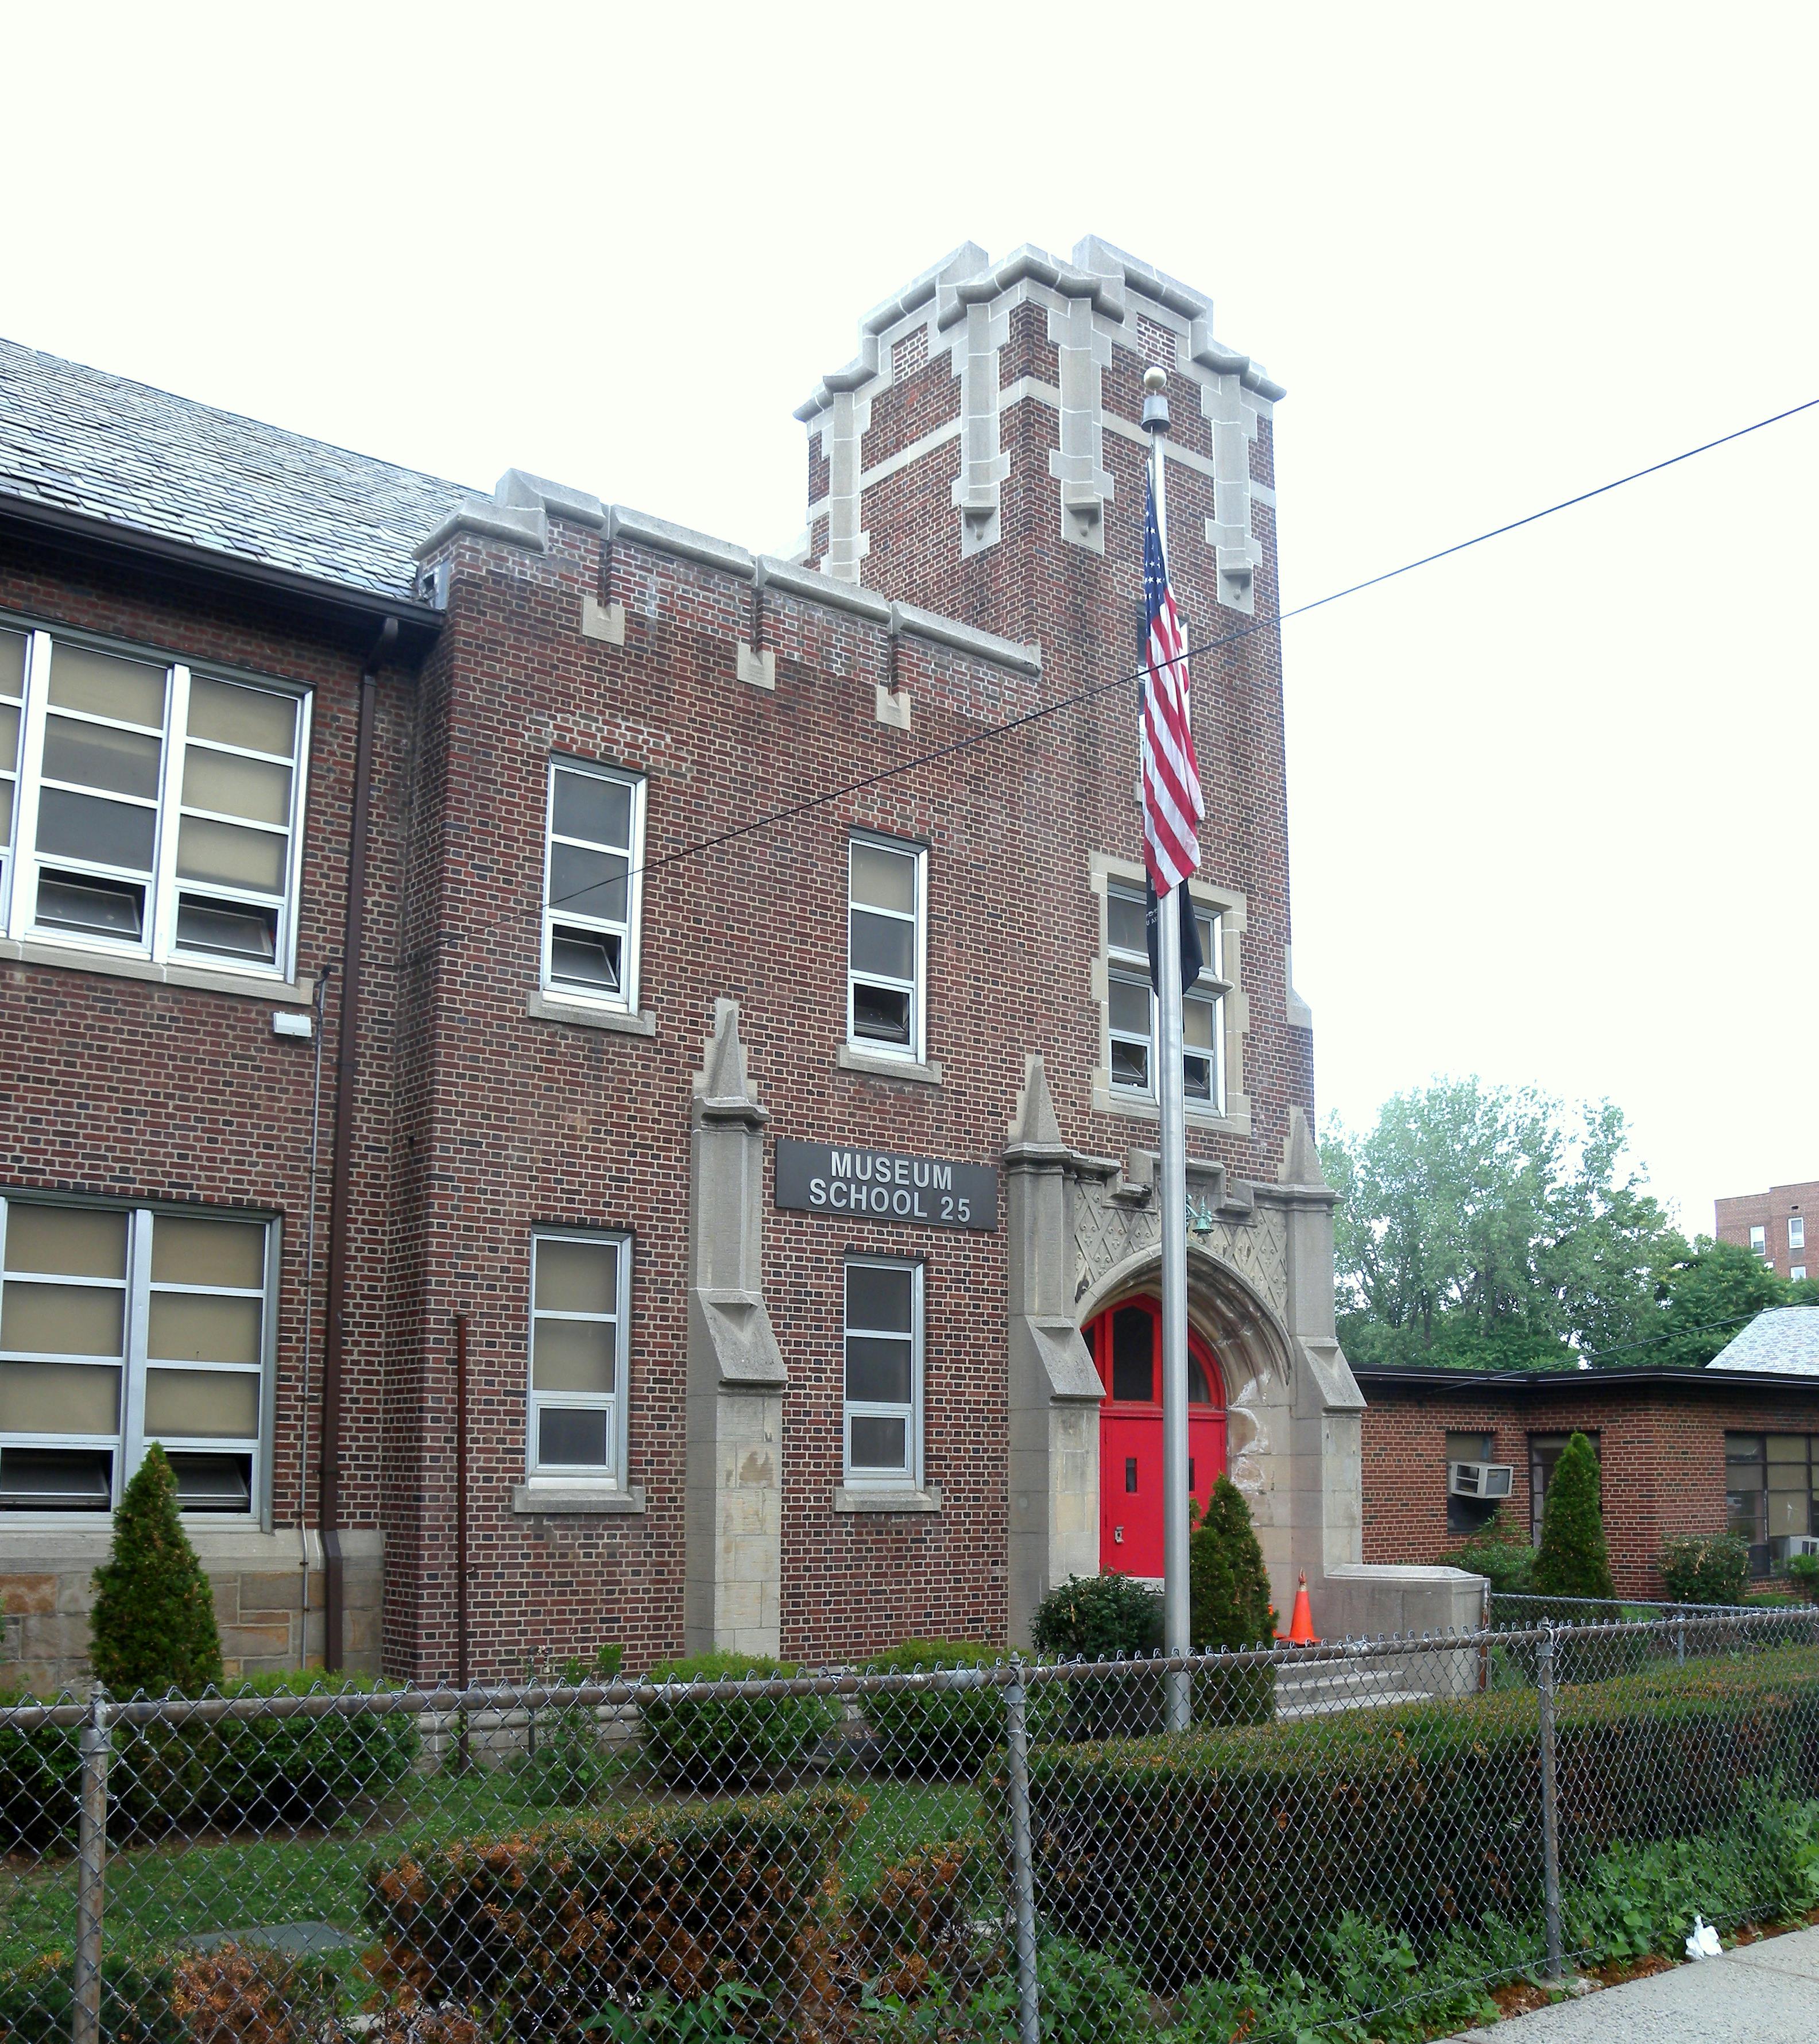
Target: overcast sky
(1551, 802)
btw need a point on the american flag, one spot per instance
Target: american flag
(1173, 804)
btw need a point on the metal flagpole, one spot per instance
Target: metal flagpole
(1172, 1193)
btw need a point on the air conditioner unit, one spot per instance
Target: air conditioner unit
(1485, 1480)
(1801, 1543)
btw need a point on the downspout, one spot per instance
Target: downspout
(347, 1061)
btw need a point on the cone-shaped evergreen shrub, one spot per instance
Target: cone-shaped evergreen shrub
(153, 1626)
(1228, 1596)
(1573, 1561)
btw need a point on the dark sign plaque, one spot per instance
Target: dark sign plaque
(882, 1185)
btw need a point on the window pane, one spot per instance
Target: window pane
(1133, 1355)
(9, 736)
(237, 787)
(1197, 1024)
(66, 1241)
(1130, 1066)
(573, 1355)
(879, 1444)
(877, 1371)
(209, 1403)
(12, 664)
(1787, 1512)
(224, 931)
(576, 1277)
(880, 1014)
(261, 719)
(880, 943)
(588, 883)
(879, 1300)
(1786, 1448)
(123, 761)
(96, 908)
(590, 806)
(230, 857)
(90, 828)
(1196, 1079)
(1198, 1392)
(58, 1398)
(197, 1326)
(6, 814)
(566, 1436)
(56, 1479)
(1125, 919)
(188, 1250)
(585, 958)
(106, 686)
(1130, 1007)
(882, 879)
(213, 1483)
(61, 1320)
(1210, 960)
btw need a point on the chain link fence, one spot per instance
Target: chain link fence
(1360, 1840)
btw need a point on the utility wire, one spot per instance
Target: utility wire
(1241, 633)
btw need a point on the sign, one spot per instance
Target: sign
(833, 1178)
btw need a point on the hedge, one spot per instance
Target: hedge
(558, 1924)
(41, 1779)
(730, 1742)
(948, 1733)
(1186, 1854)
(37, 2002)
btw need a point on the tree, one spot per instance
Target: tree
(1489, 1228)
(153, 1626)
(1573, 1561)
(1713, 1292)
(1229, 1606)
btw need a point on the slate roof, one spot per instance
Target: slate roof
(1784, 1340)
(106, 447)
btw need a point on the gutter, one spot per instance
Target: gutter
(1416, 1376)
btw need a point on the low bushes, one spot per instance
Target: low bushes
(568, 1765)
(590, 1915)
(37, 2002)
(912, 1922)
(1104, 1617)
(1705, 1568)
(1188, 1852)
(41, 1779)
(730, 1742)
(1495, 1553)
(947, 1734)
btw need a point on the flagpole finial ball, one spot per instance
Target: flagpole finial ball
(1155, 379)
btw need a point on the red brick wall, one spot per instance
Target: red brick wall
(1770, 1212)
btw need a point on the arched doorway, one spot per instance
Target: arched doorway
(1126, 1345)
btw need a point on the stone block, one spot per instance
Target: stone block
(28, 1596)
(277, 1591)
(75, 1593)
(46, 1637)
(254, 1642)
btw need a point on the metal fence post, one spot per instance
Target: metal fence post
(91, 1872)
(1550, 1808)
(1680, 1639)
(1017, 1743)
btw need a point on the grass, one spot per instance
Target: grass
(157, 1895)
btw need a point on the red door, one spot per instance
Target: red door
(1126, 1344)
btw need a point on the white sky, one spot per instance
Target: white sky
(1551, 809)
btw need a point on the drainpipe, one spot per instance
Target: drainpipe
(346, 1059)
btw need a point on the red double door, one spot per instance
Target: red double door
(1126, 1344)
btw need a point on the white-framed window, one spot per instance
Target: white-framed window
(581, 1300)
(1131, 1006)
(882, 1390)
(150, 810)
(1758, 1240)
(887, 946)
(593, 849)
(1797, 1231)
(1797, 1273)
(123, 1325)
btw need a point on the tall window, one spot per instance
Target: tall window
(1772, 1493)
(593, 847)
(886, 946)
(1132, 1008)
(147, 809)
(1758, 1240)
(581, 1294)
(883, 1405)
(1797, 1231)
(123, 1326)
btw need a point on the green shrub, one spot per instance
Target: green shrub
(948, 1733)
(591, 1915)
(1189, 1850)
(1507, 1563)
(1705, 1568)
(1573, 1561)
(1084, 1998)
(37, 2002)
(40, 1780)
(1228, 1590)
(1104, 1617)
(152, 1630)
(567, 1765)
(1803, 1572)
(911, 1921)
(730, 1742)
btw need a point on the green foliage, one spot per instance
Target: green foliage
(1711, 1291)
(730, 1742)
(40, 1781)
(153, 1626)
(1228, 1591)
(913, 1918)
(1098, 1617)
(1487, 1229)
(946, 1734)
(724, 2015)
(1803, 1571)
(37, 2002)
(1507, 1563)
(1084, 1998)
(1705, 1568)
(567, 1764)
(1573, 1561)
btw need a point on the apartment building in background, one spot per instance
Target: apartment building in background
(1774, 1224)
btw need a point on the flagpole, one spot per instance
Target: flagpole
(1171, 1195)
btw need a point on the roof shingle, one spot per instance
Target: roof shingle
(1785, 1340)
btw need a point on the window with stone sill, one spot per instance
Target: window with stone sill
(1797, 1231)
(147, 809)
(882, 1402)
(887, 947)
(121, 1326)
(581, 1298)
(1131, 1008)
(593, 848)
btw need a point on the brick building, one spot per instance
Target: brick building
(1772, 1223)
(786, 1197)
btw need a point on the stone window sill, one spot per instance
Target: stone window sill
(286, 994)
(550, 1007)
(575, 1497)
(884, 1497)
(876, 1065)
(1104, 1101)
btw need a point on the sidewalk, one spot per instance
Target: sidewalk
(1766, 1994)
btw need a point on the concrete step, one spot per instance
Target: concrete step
(1313, 1690)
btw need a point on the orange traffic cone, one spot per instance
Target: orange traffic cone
(1301, 1632)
